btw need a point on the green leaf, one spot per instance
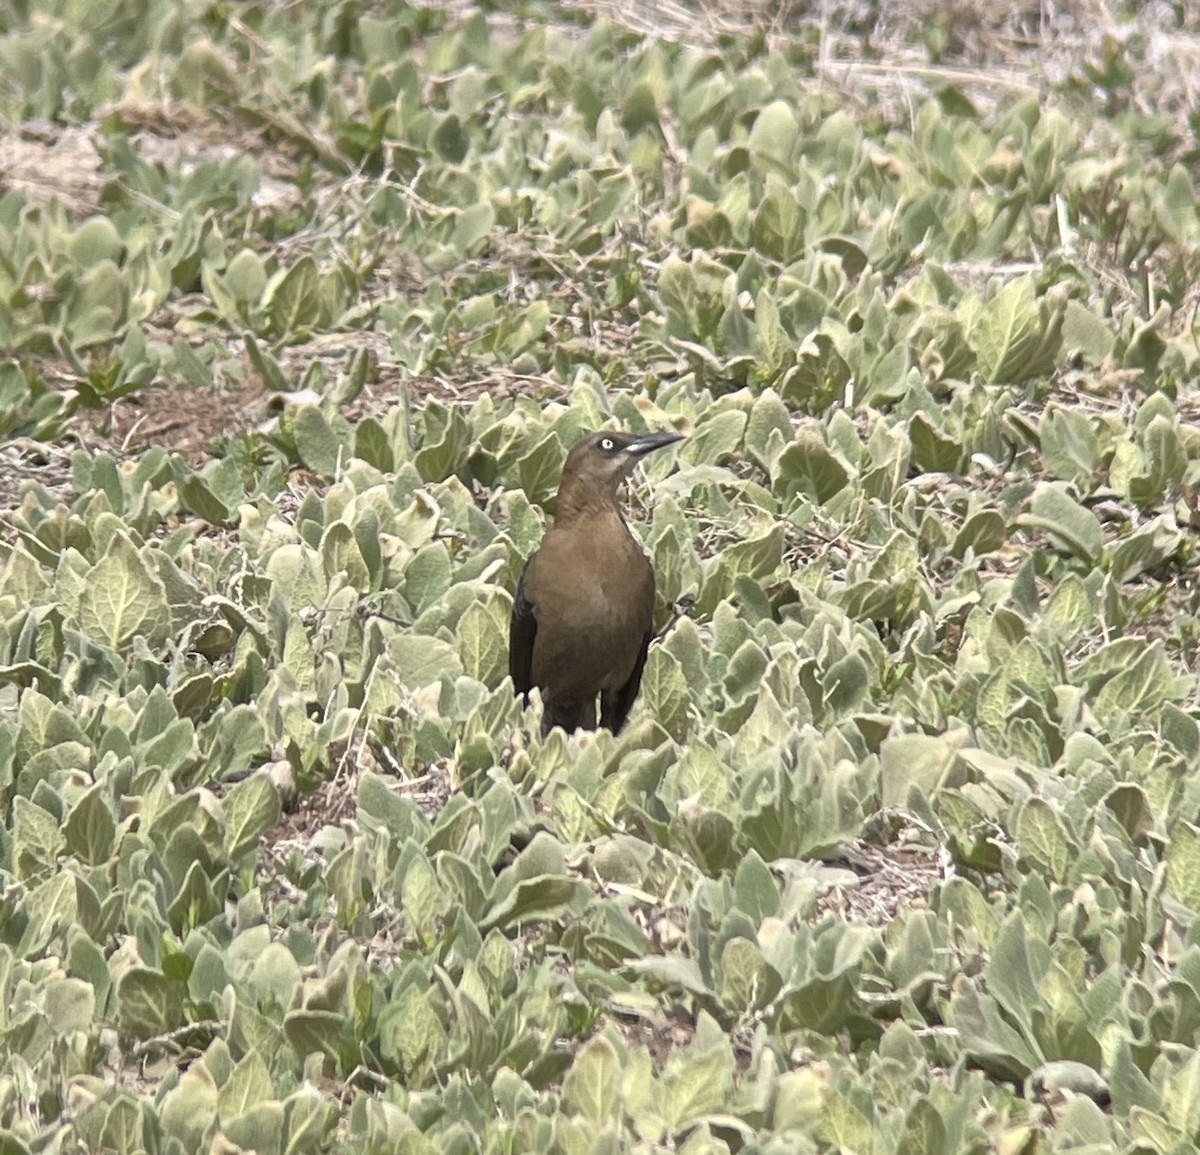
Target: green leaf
(777, 348)
(1070, 607)
(1070, 525)
(123, 598)
(189, 1109)
(266, 366)
(984, 532)
(95, 240)
(1181, 730)
(778, 225)
(409, 1030)
(1042, 837)
(311, 1032)
(757, 557)
(148, 1003)
(592, 1086)
(755, 890)
(316, 443)
(1085, 332)
(473, 227)
(1177, 207)
(373, 445)
(248, 1085)
(1181, 1096)
(1166, 455)
(539, 470)
(695, 1084)
(774, 139)
(1145, 550)
(714, 440)
(293, 301)
(340, 555)
(844, 1123)
(846, 684)
(1016, 968)
(987, 1036)
(1069, 445)
(1183, 865)
(51, 907)
(483, 638)
(36, 837)
(232, 740)
(532, 899)
(747, 982)
(808, 466)
(200, 499)
(428, 576)
(1014, 338)
(665, 692)
(933, 448)
(90, 829)
(245, 276)
(421, 660)
(441, 458)
(1138, 690)
(913, 760)
(196, 902)
(421, 897)
(1131, 1090)
(366, 537)
(274, 976)
(252, 807)
(924, 1131)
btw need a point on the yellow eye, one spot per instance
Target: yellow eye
(607, 444)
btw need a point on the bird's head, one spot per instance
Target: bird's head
(599, 462)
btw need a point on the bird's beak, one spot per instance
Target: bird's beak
(649, 442)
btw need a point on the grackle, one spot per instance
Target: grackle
(583, 614)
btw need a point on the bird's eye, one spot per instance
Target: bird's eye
(607, 444)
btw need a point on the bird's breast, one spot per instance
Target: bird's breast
(593, 598)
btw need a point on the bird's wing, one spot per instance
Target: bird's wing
(521, 632)
(615, 706)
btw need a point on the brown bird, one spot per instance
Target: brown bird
(583, 614)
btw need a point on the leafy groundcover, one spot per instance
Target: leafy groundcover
(302, 305)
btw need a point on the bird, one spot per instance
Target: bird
(583, 614)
